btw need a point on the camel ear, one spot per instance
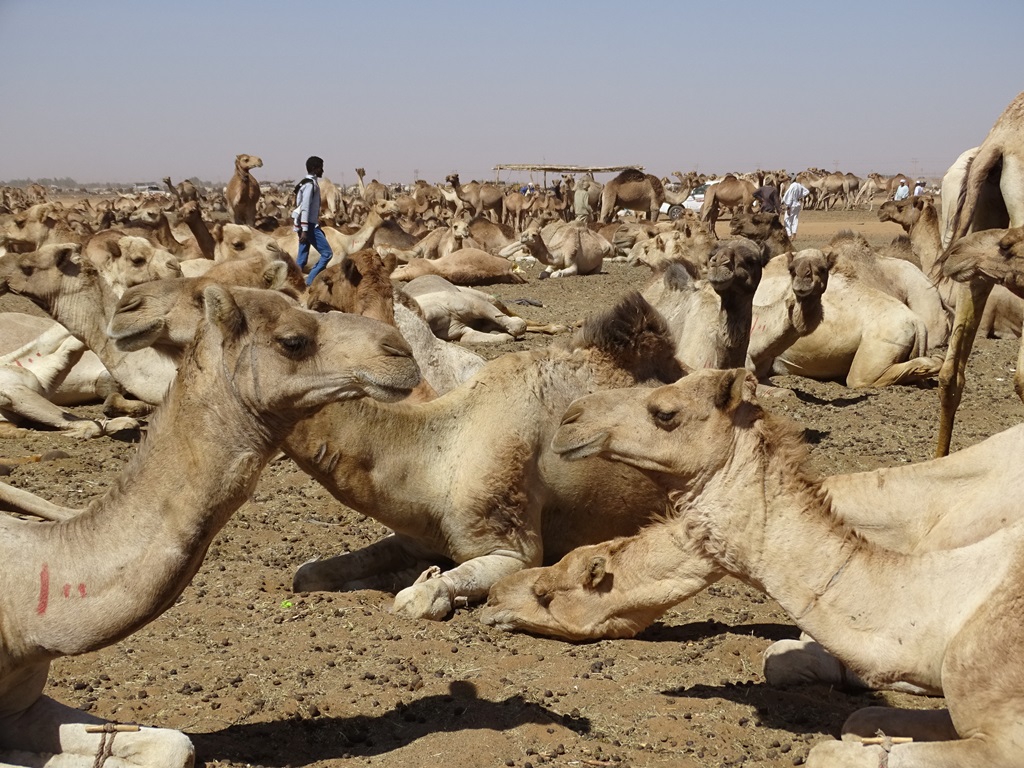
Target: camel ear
(275, 275)
(222, 311)
(831, 257)
(734, 387)
(595, 572)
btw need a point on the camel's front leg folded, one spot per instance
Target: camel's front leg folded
(436, 594)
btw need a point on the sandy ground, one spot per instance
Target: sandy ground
(259, 676)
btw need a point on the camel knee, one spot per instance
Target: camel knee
(431, 597)
(797, 662)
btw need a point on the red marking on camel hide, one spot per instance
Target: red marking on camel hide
(44, 589)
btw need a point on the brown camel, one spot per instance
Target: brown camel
(635, 190)
(730, 192)
(258, 365)
(243, 190)
(478, 199)
(991, 196)
(737, 483)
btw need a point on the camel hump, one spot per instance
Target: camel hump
(630, 174)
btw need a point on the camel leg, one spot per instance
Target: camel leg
(117, 404)
(390, 554)
(970, 304)
(16, 500)
(910, 372)
(29, 404)
(437, 594)
(989, 750)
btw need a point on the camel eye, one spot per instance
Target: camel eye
(295, 346)
(665, 418)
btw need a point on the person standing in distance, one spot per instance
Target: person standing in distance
(306, 218)
(793, 201)
(902, 191)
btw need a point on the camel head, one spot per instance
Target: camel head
(453, 179)
(284, 360)
(993, 254)
(677, 434)
(387, 210)
(808, 270)
(166, 313)
(137, 260)
(734, 266)
(360, 284)
(244, 163)
(567, 600)
(190, 212)
(903, 212)
(44, 274)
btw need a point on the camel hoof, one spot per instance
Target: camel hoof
(426, 599)
(119, 424)
(83, 428)
(306, 578)
(543, 275)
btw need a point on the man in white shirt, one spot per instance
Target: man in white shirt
(306, 218)
(902, 191)
(793, 201)
(919, 188)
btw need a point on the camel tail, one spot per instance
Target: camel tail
(978, 169)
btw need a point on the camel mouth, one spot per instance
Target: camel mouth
(573, 446)
(134, 337)
(396, 387)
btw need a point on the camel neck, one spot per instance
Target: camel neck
(883, 613)
(101, 575)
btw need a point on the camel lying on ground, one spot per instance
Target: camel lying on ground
(258, 360)
(565, 248)
(467, 266)
(456, 313)
(738, 488)
(491, 501)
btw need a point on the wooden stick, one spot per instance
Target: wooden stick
(886, 739)
(112, 728)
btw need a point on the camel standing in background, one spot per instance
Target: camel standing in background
(243, 190)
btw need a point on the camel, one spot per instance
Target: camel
(258, 365)
(463, 314)
(126, 260)
(192, 216)
(635, 190)
(184, 192)
(359, 285)
(467, 266)
(689, 245)
(488, 236)
(506, 503)
(343, 244)
(991, 195)
(735, 477)
(765, 229)
(440, 242)
(479, 199)
(710, 319)
(372, 192)
(514, 207)
(565, 248)
(866, 337)
(243, 191)
(730, 192)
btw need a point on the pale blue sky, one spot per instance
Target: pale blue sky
(119, 90)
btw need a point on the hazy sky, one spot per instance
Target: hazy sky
(119, 90)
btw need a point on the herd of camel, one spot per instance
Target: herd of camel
(553, 503)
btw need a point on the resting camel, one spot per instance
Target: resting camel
(243, 191)
(710, 319)
(865, 338)
(467, 266)
(765, 229)
(635, 190)
(441, 242)
(457, 313)
(565, 248)
(735, 477)
(343, 243)
(991, 196)
(689, 245)
(258, 361)
(505, 502)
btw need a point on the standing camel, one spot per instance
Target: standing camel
(243, 190)
(991, 195)
(258, 365)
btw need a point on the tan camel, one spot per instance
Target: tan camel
(258, 360)
(191, 214)
(372, 192)
(565, 248)
(765, 229)
(243, 191)
(184, 192)
(634, 190)
(865, 338)
(514, 208)
(479, 199)
(468, 266)
(126, 260)
(456, 313)
(488, 236)
(991, 196)
(730, 192)
(343, 244)
(359, 285)
(711, 318)
(747, 503)
(689, 245)
(506, 503)
(440, 242)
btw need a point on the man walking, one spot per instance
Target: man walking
(306, 217)
(793, 201)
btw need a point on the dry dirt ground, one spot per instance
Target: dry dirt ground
(257, 675)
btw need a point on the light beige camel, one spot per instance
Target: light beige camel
(634, 190)
(711, 318)
(730, 192)
(505, 503)
(456, 313)
(689, 245)
(467, 266)
(184, 192)
(747, 503)
(866, 338)
(284, 364)
(441, 242)
(243, 191)
(126, 260)
(991, 196)
(343, 244)
(372, 192)
(565, 248)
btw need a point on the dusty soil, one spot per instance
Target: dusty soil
(258, 675)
